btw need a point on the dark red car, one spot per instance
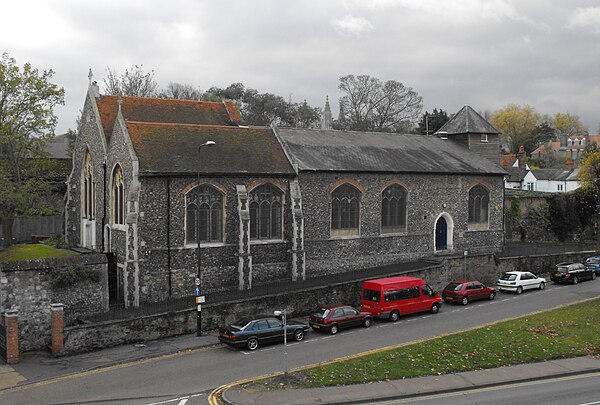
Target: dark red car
(463, 291)
(331, 318)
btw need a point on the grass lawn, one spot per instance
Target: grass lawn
(568, 331)
(30, 252)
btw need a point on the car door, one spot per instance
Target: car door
(479, 291)
(470, 291)
(275, 329)
(263, 331)
(352, 316)
(531, 281)
(339, 318)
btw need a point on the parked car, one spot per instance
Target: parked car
(593, 263)
(518, 281)
(332, 318)
(252, 331)
(464, 291)
(572, 273)
(394, 296)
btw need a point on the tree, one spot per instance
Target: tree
(306, 116)
(567, 125)
(517, 125)
(234, 91)
(432, 121)
(373, 105)
(266, 109)
(27, 122)
(180, 91)
(133, 82)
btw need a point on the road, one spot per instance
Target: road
(189, 377)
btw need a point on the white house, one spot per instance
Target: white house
(551, 180)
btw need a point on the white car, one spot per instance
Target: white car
(518, 281)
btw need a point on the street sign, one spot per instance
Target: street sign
(200, 299)
(197, 281)
(197, 291)
(199, 308)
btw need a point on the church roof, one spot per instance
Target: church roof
(329, 150)
(467, 121)
(143, 109)
(173, 149)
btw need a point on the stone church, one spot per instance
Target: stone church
(152, 178)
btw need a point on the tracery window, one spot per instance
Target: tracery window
(479, 202)
(393, 209)
(345, 210)
(87, 200)
(118, 197)
(204, 215)
(266, 212)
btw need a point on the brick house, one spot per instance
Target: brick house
(266, 204)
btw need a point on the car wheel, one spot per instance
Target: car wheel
(394, 316)
(492, 295)
(542, 285)
(298, 335)
(575, 280)
(367, 322)
(519, 290)
(333, 329)
(593, 275)
(252, 343)
(435, 308)
(465, 301)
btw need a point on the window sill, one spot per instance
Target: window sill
(341, 237)
(266, 241)
(204, 245)
(395, 232)
(119, 227)
(478, 227)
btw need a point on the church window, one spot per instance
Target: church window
(118, 197)
(87, 200)
(393, 209)
(345, 210)
(479, 201)
(204, 215)
(266, 212)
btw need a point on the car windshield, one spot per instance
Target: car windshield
(508, 277)
(321, 313)
(453, 287)
(593, 260)
(240, 323)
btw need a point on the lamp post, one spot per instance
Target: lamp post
(199, 297)
(285, 355)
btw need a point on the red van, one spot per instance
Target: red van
(394, 296)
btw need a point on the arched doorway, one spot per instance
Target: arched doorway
(441, 234)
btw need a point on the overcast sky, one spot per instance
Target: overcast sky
(452, 52)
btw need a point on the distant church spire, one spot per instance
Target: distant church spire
(327, 118)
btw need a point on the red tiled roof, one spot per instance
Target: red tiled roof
(173, 149)
(507, 160)
(160, 110)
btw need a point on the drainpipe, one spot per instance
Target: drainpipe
(103, 202)
(169, 233)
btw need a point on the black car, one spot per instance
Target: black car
(250, 331)
(572, 273)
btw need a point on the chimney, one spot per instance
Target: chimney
(521, 156)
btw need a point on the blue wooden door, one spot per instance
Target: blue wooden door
(441, 234)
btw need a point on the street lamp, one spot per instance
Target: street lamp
(199, 297)
(285, 355)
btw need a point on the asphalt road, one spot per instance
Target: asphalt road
(190, 377)
(572, 390)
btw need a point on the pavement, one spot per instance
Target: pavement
(35, 367)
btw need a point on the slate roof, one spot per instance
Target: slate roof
(58, 147)
(551, 174)
(467, 121)
(173, 149)
(329, 150)
(143, 109)
(515, 173)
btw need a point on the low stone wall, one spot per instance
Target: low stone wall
(27, 287)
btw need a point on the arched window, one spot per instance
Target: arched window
(87, 200)
(393, 209)
(204, 215)
(118, 197)
(266, 212)
(345, 210)
(479, 201)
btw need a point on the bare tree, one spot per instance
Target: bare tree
(133, 82)
(181, 91)
(372, 105)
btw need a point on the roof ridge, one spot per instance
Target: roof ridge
(177, 100)
(194, 125)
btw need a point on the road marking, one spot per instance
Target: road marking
(182, 400)
(591, 403)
